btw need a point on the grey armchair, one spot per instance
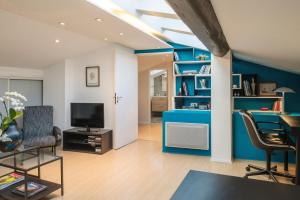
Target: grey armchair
(38, 128)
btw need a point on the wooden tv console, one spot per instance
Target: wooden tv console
(97, 141)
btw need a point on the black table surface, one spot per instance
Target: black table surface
(207, 186)
(293, 122)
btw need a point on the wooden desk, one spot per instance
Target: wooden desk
(207, 186)
(293, 122)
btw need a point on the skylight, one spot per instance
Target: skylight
(161, 17)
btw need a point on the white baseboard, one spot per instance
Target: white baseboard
(144, 123)
(229, 161)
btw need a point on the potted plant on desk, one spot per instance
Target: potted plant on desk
(10, 136)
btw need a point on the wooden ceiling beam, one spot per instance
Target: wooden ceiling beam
(200, 17)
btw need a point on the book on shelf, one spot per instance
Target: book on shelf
(205, 69)
(9, 180)
(98, 150)
(176, 56)
(32, 189)
(184, 89)
(247, 88)
(176, 69)
(189, 72)
(277, 105)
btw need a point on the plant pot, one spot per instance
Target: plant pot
(15, 137)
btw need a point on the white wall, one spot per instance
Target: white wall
(20, 73)
(76, 90)
(54, 92)
(65, 83)
(221, 112)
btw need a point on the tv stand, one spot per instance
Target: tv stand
(91, 141)
(88, 130)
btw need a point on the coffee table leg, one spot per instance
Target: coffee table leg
(39, 162)
(26, 184)
(62, 176)
(297, 161)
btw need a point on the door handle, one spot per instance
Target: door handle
(117, 98)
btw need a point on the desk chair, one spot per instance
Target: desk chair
(268, 142)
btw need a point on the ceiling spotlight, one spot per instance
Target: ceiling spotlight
(121, 34)
(98, 19)
(62, 23)
(57, 41)
(105, 39)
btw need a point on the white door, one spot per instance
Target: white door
(126, 97)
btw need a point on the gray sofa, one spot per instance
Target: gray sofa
(38, 128)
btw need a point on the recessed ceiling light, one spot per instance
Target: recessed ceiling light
(105, 39)
(57, 41)
(98, 19)
(121, 34)
(62, 23)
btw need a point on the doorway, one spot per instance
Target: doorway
(158, 94)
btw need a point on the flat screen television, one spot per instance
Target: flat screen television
(88, 115)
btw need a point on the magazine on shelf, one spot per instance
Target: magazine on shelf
(10, 179)
(32, 189)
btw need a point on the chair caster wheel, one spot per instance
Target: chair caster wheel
(248, 169)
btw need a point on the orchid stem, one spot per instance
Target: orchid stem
(5, 108)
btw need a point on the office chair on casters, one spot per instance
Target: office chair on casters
(268, 142)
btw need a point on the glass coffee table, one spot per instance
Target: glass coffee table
(22, 162)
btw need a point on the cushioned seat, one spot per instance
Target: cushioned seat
(45, 141)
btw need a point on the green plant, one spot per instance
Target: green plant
(15, 110)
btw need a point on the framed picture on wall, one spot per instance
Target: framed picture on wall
(267, 89)
(92, 76)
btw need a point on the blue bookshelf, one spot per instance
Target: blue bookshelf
(254, 103)
(188, 68)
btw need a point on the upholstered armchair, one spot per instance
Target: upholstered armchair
(38, 128)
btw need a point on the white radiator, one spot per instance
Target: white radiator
(187, 135)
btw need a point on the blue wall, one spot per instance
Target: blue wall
(267, 74)
(242, 146)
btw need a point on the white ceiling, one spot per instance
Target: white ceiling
(29, 29)
(30, 44)
(262, 31)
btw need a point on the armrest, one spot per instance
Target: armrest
(57, 134)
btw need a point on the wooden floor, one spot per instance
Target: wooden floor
(137, 171)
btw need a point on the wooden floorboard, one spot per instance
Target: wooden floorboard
(137, 171)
